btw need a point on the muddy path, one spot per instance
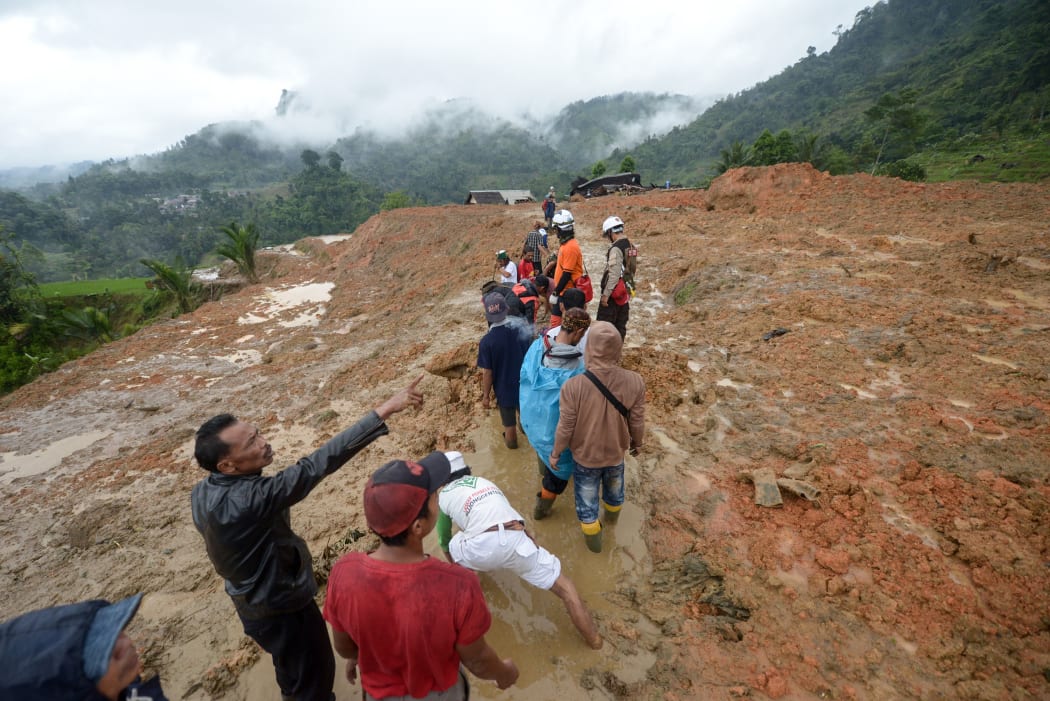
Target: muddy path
(908, 380)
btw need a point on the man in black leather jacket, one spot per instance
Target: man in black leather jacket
(245, 520)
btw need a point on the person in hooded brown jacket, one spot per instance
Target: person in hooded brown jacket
(602, 416)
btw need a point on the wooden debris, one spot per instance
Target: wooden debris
(799, 488)
(766, 491)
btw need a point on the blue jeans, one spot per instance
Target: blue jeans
(588, 480)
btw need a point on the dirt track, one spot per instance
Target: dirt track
(912, 388)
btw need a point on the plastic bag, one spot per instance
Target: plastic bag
(583, 284)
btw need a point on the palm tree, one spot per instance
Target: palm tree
(806, 147)
(177, 279)
(735, 156)
(89, 324)
(241, 248)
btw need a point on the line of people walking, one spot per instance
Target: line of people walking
(579, 408)
(406, 624)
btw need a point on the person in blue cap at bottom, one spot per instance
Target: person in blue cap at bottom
(77, 651)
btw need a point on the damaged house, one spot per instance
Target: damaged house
(499, 197)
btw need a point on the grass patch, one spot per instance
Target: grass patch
(684, 294)
(1012, 159)
(83, 288)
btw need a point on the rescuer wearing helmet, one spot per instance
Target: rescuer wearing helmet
(615, 303)
(570, 262)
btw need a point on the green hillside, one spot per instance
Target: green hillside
(974, 67)
(915, 88)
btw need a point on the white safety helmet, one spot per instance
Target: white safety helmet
(612, 225)
(563, 220)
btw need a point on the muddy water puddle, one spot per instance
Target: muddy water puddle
(531, 626)
(13, 465)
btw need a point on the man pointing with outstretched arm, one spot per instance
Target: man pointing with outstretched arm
(245, 520)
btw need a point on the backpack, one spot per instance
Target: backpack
(526, 294)
(630, 262)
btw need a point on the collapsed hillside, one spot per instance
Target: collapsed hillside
(886, 343)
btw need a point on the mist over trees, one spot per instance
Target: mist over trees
(908, 76)
(969, 67)
(909, 81)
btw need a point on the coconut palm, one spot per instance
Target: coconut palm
(241, 248)
(88, 324)
(176, 279)
(735, 156)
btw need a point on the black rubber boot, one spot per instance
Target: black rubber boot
(543, 508)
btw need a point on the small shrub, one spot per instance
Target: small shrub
(684, 294)
(904, 170)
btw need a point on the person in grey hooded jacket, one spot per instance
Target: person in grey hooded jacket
(245, 521)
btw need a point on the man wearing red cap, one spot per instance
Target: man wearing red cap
(408, 620)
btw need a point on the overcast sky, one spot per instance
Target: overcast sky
(90, 80)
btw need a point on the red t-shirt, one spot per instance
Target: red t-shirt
(406, 620)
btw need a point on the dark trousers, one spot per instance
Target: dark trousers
(616, 314)
(301, 651)
(552, 483)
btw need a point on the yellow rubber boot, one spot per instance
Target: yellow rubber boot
(612, 513)
(592, 535)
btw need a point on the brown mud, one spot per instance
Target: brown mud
(912, 388)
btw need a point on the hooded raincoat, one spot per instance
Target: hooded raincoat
(538, 392)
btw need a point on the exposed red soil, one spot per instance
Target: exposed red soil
(912, 388)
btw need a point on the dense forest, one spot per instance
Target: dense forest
(913, 89)
(962, 68)
(909, 77)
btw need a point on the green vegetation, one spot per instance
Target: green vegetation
(916, 89)
(585, 130)
(27, 337)
(909, 75)
(83, 288)
(240, 248)
(397, 200)
(1012, 158)
(684, 294)
(733, 157)
(90, 324)
(177, 280)
(898, 123)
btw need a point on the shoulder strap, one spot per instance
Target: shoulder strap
(624, 411)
